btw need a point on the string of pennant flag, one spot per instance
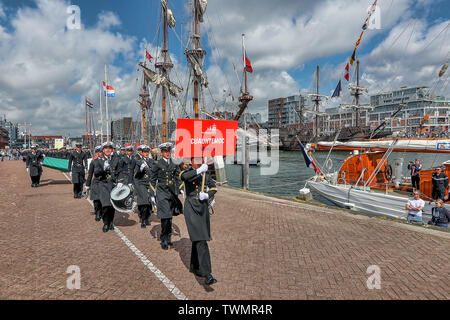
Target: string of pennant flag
(352, 59)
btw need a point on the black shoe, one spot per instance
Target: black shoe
(75, 196)
(32, 185)
(170, 243)
(143, 225)
(105, 228)
(210, 280)
(111, 226)
(97, 217)
(164, 245)
(147, 222)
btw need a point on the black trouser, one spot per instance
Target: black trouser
(200, 258)
(438, 193)
(35, 179)
(166, 229)
(98, 208)
(144, 211)
(108, 215)
(77, 189)
(415, 180)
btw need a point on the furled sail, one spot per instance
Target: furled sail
(201, 8)
(198, 70)
(443, 69)
(160, 80)
(170, 18)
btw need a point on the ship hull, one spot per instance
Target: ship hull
(369, 202)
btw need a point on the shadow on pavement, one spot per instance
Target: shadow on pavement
(184, 247)
(121, 219)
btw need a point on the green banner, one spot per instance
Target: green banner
(58, 164)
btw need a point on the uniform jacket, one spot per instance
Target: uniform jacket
(34, 161)
(126, 169)
(142, 180)
(165, 182)
(196, 212)
(106, 180)
(440, 181)
(92, 181)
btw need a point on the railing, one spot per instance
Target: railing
(362, 174)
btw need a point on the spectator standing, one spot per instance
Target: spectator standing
(415, 168)
(440, 182)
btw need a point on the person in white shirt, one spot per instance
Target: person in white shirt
(415, 206)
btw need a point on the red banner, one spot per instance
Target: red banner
(202, 138)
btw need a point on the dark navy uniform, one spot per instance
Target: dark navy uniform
(142, 176)
(92, 185)
(196, 214)
(105, 176)
(77, 165)
(34, 165)
(165, 182)
(126, 169)
(440, 182)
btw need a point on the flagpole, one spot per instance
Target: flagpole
(243, 62)
(101, 112)
(85, 108)
(90, 128)
(106, 103)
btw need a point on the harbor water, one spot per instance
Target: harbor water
(293, 173)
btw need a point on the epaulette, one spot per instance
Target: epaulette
(94, 158)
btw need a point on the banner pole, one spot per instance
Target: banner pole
(203, 176)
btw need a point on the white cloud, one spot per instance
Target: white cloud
(107, 20)
(46, 70)
(281, 36)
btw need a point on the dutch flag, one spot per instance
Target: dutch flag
(89, 104)
(108, 90)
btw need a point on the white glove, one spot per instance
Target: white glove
(106, 165)
(119, 185)
(153, 199)
(143, 166)
(182, 193)
(203, 196)
(202, 169)
(130, 185)
(70, 173)
(86, 188)
(28, 169)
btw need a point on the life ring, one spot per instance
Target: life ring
(329, 164)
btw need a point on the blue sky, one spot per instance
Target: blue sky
(285, 40)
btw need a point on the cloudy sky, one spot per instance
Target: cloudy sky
(46, 70)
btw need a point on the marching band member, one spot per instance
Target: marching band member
(34, 166)
(196, 214)
(105, 174)
(142, 174)
(77, 165)
(92, 184)
(165, 183)
(126, 167)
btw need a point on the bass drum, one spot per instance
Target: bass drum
(122, 199)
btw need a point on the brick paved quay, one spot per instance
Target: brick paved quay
(262, 248)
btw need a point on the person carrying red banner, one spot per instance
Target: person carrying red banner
(196, 214)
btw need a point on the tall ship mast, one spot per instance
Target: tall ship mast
(195, 55)
(160, 77)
